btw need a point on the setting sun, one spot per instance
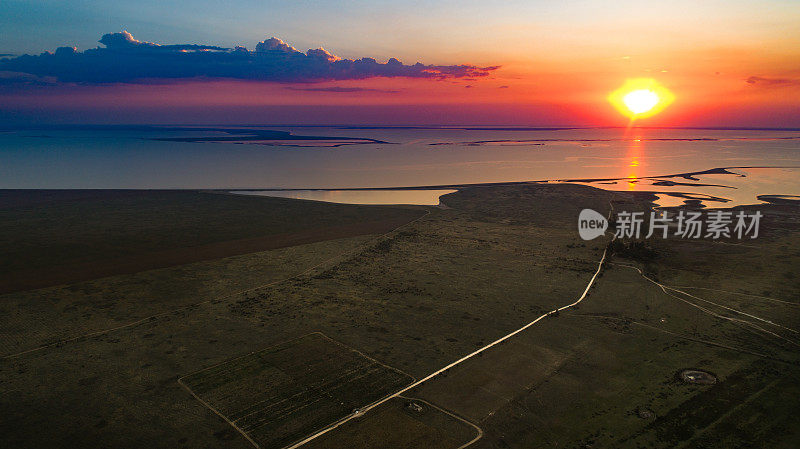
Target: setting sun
(640, 101)
(640, 98)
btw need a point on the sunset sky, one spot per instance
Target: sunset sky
(536, 63)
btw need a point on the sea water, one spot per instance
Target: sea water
(761, 162)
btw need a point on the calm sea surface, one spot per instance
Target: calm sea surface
(130, 158)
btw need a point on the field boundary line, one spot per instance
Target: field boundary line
(678, 335)
(475, 426)
(346, 346)
(319, 333)
(247, 354)
(727, 414)
(751, 324)
(362, 411)
(795, 304)
(207, 405)
(213, 300)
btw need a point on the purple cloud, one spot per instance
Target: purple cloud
(124, 59)
(771, 82)
(338, 89)
(19, 79)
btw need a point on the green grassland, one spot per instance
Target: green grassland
(416, 299)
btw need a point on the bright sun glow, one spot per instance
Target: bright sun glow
(640, 98)
(641, 101)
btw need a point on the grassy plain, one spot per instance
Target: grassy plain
(416, 299)
(393, 424)
(582, 379)
(54, 237)
(282, 393)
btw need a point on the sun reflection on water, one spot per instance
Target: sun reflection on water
(634, 157)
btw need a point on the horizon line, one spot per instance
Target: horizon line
(387, 126)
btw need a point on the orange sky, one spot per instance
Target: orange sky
(731, 63)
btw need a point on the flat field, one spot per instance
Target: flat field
(601, 374)
(54, 237)
(285, 392)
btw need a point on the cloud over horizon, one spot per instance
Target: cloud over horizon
(124, 59)
(343, 90)
(772, 82)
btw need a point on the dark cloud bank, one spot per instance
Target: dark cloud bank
(127, 60)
